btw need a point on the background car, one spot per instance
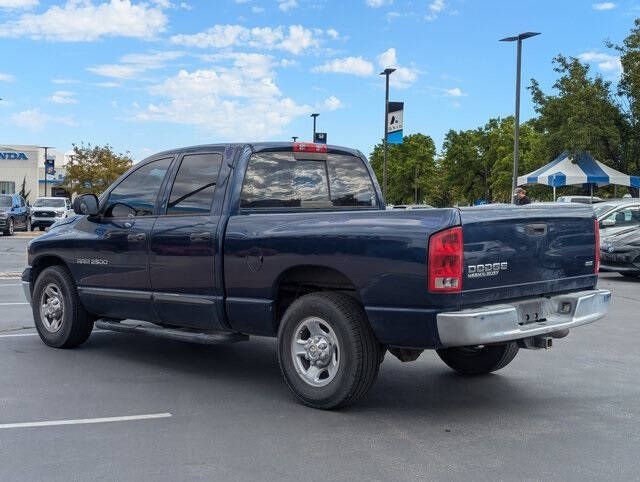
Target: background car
(14, 214)
(47, 210)
(579, 199)
(620, 252)
(617, 215)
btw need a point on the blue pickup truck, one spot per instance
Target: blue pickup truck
(215, 243)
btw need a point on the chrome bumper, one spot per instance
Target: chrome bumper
(505, 322)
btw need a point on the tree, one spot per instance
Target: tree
(23, 190)
(411, 170)
(629, 90)
(92, 169)
(582, 116)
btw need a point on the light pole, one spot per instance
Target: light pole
(45, 168)
(313, 139)
(386, 73)
(516, 131)
(295, 138)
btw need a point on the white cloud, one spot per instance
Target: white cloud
(132, 65)
(185, 6)
(332, 103)
(64, 81)
(240, 101)
(294, 39)
(454, 92)
(403, 77)
(605, 62)
(348, 65)
(18, 3)
(35, 120)
(435, 8)
(82, 20)
(256, 9)
(333, 33)
(604, 6)
(6, 77)
(286, 5)
(63, 97)
(108, 85)
(378, 3)
(387, 59)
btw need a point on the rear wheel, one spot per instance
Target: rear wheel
(10, 229)
(61, 321)
(327, 352)
(479, 360)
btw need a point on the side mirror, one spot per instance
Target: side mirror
(607, 223)
(86, 204)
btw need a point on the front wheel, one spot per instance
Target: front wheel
(61, 321)
(479, 360)
(327, 352)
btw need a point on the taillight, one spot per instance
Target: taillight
(445, 261)
(597, 258)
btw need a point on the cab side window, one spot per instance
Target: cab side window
(136, 195)
(626, 217)
(193, 189)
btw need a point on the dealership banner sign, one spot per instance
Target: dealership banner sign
(394, 122)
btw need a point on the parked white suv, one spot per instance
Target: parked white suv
(47, 210)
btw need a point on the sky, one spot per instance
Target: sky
(145, 76)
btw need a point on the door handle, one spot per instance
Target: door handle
(536, 229)
(135, 238)
(200, 236)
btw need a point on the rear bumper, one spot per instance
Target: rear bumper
(514, 321)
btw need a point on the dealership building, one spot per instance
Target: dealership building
(26, 164)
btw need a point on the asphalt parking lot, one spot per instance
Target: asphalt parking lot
(223, 412)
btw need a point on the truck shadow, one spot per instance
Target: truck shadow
(250, 370)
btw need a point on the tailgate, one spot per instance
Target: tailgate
(521, 251)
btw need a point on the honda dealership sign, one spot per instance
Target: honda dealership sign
(14, 156)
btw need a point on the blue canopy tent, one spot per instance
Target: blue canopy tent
(566, 170)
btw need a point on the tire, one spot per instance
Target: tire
(27, 227)
(41, 228)
(10, 231)
(72, 325)
(352, 366)
(479, 361)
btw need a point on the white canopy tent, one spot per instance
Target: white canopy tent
(566, 170)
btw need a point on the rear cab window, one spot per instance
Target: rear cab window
(279, 180)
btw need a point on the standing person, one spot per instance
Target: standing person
(521, 196)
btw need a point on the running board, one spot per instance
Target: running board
(204, 338)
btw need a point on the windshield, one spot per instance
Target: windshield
(5, 202)
(602, 209)
(50, 203)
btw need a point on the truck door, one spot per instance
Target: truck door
(112, 259)
(182, 258)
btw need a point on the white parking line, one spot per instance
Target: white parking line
(12, 284)
(84, 421)
(15, 335)
(12, 304)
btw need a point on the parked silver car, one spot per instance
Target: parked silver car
(617, 215)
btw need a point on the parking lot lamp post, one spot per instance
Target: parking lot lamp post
(313, 139)
(386, 73)
(516, 131)
(46, 148)
(295, 138)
